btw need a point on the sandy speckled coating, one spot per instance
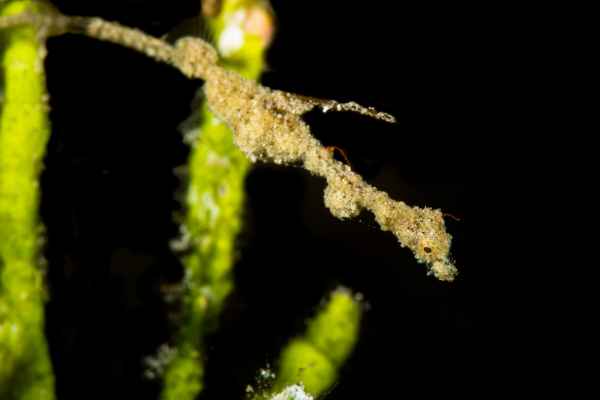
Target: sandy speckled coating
(267, 126)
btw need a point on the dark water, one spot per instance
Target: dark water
(109, 200)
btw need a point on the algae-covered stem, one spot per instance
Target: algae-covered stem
(267, 126)
(316, 357)
(25, 368)
(214, 201)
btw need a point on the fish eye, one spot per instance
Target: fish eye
(427, 249)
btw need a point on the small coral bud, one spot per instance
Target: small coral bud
(260, 22)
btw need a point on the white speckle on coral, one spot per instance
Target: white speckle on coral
(266, 373)
(183, 242)
(156, 364)
(191, 135)
(215, 159)
(231, 40)
(192, 196)
(212, 208)
(294, 392)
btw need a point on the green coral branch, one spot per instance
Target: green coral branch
(315, 358)
(214, 203)
(25, 369)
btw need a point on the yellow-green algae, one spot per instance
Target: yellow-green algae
(214, 203)
(25, 369)
(315, 358)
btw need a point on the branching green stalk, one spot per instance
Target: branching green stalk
(214, 203)
(25, 369)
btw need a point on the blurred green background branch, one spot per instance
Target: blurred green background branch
(215, 198)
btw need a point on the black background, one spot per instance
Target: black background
(109, 196)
